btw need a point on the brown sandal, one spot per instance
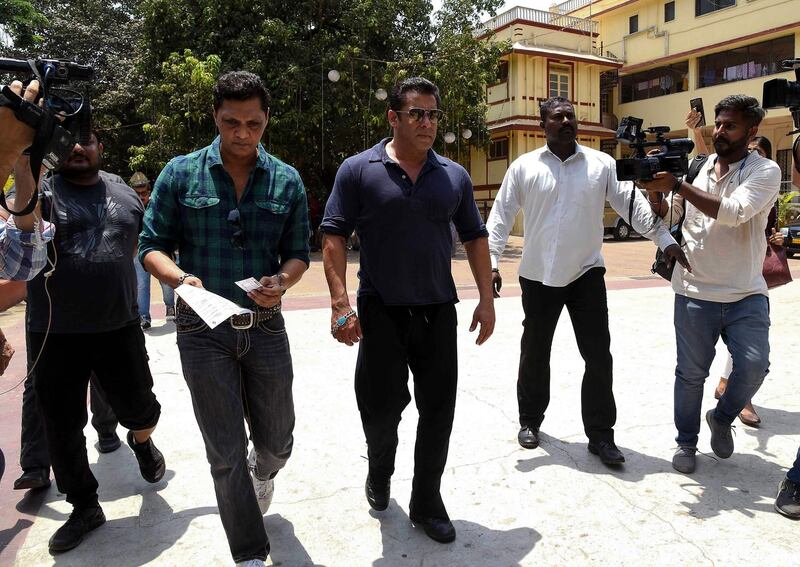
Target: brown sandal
(748, 416)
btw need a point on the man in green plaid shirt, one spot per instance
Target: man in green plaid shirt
(234, 212)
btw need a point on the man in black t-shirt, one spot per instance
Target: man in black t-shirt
(82, 318)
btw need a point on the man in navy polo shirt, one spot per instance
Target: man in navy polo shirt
(400, 197)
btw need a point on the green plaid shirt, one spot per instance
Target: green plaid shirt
(189, 210)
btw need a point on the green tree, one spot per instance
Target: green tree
(315, 124)
(19, 18)
(103, 34)
(183, 97)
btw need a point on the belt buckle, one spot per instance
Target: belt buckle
(246, 326)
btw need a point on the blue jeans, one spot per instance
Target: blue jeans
(794, 472)
(744, 328)
(233, 376)
(143, 291)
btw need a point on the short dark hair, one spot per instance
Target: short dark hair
(763, 143)
(240, 85)
(748, 106)
(416, 84)
(550, 104)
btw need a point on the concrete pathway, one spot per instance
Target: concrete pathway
(556, 505)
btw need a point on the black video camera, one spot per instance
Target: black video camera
(674, 159)
(782, 93)
(65, 116)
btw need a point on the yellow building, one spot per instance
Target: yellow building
(674, 51)
(551, 55)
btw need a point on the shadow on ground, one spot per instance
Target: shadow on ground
(474, 545)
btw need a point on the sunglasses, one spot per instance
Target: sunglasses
(417, 114)
(237, 238)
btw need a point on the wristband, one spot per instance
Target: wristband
(496, 270)
(184, 276)
(340, 322)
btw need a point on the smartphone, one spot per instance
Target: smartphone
(697, 104)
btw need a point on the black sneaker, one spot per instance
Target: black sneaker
(721, 438)
(151, 461)
(170, 314)
(788, 500)
(144, 323)
(80, 523)
(108, 442)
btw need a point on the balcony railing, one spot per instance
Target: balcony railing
(542, 17)
(570, 6)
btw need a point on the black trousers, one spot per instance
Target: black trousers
(586, 303)
(33, 452)
(119, 361)
(422, 338)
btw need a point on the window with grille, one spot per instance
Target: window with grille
(655, 82)
(702, 7)
(747, 62)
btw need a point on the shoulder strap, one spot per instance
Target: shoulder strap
(694, 167)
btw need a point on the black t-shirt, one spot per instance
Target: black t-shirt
(93, 288)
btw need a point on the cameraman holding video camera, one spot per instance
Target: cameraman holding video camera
(724, 212)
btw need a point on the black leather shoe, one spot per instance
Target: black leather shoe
(528, 437)
(607, 452)
(151, 461)
(438, 529)
(108, 443)
(33, 479)
(80, 523)
(377, 495)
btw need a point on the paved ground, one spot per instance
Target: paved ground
(556, 505)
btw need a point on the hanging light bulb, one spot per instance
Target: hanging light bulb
(334, 75)
(466, 133)
(449, 138)
(381, 94)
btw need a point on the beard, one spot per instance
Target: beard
(86, 169)
(725, 148)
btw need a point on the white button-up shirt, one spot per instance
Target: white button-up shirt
(563, 205)
(727, 253)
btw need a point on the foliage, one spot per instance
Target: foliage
(315, 123)
(155, 62)
(183, 96)
(788, 211)
(103, 34)
(20, 18)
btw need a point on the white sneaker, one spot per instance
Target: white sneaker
(264, 488)
(251, 563)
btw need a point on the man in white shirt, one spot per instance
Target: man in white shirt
(725, 294)
(562, 188)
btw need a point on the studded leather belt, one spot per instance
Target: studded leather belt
(243, 321)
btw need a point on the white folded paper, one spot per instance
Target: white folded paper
(211, 308)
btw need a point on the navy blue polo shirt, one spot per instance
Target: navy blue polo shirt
(403, 227)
